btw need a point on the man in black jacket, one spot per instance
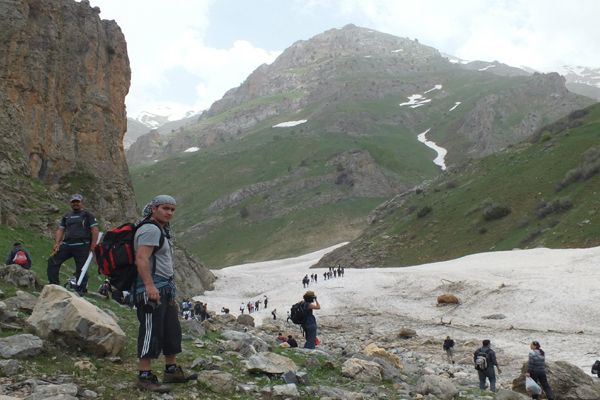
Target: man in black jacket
(75, 237)
(485, 360)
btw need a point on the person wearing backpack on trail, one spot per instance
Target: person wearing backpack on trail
(485, 360)
(19, 256)
(75, 237)
(449, 349)
(310, 322)
(536, 369)
(155, 293)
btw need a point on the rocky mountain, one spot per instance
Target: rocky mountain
(147, 122)
(539, 193)
(64, 75)
(294, 158)
(583, 80)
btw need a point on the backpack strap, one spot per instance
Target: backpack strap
(161, 241)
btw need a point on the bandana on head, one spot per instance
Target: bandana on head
(157, 201)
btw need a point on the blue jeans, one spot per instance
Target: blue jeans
(310, 332)
(490, 374)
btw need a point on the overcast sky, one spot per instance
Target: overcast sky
(186, 54)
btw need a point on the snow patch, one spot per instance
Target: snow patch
(289, 123)
(456, 104)
(486, 67)
(436, 87)
(557, 287)
(414, 101)
(441, 152)
(191, 150)
(397, 50)
(367, 56)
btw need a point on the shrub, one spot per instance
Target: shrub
(589, 167)
(424, 211)
(244, 213)
(495, 211)
(557, 206)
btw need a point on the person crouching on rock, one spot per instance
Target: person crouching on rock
(536, 369)
(310, 322)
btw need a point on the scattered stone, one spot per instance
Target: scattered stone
(376, 351)
(246, 320)
(23, 301)
(88, 394)
(66, 391)
(288, 391)
(85, 365)
(115, 359)
(20, 346)
(494, 316)
(9, 367)
(407, 333)
(290, 377)
(6, 314)
(240, 340)
(67, 319)
(270, 363)
(447, 299)
(18, 276)
(441, 387)
(217, 381)
(362, 370)
(510, 395)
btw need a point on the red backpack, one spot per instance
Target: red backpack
(115, 255)
(20, 258)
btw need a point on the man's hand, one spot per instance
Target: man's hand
(153, 293)
(55, 248)
(499, 370)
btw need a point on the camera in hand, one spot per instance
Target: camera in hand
(150, 306)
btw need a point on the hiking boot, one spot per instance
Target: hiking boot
(151, 384)
(178, 376)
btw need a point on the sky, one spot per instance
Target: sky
(185, 54)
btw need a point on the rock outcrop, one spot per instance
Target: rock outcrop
(64, 75)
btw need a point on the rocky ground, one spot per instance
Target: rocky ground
(56, 345)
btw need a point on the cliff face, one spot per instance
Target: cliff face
(64, 74)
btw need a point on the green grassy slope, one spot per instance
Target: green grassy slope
(525, 179)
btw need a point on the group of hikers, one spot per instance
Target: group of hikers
(254, 305)
(333, 272)
(197, 310)
(486, 364)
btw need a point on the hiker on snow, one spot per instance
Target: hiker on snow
(75, 237)
(485, 360)
(449, 349)
(155, 291)
(18, 255)
(310, 323)
(536, 369)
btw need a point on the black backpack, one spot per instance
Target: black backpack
(481, 360)
(298, 313)
(115, 255)
(596, 368)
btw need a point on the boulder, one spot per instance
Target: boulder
(568, 382)
(217, 381)
(270, 363)
(376, 351)
(65, 318)
(439, 386)
(6, 313)
(20, 346)
(66, 391)
(447, 299)
(18, 276)
(335, 393)
(246, 320)
(503, 394)
(407, 333)
(362, 370)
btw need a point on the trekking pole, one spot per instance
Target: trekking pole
(88, 262)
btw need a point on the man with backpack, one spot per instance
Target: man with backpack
(155, 292)
(19, 256)
(75, 237)
(302, 314)
(448, 347)
(485, 360)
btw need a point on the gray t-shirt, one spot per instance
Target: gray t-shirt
(149, 235)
